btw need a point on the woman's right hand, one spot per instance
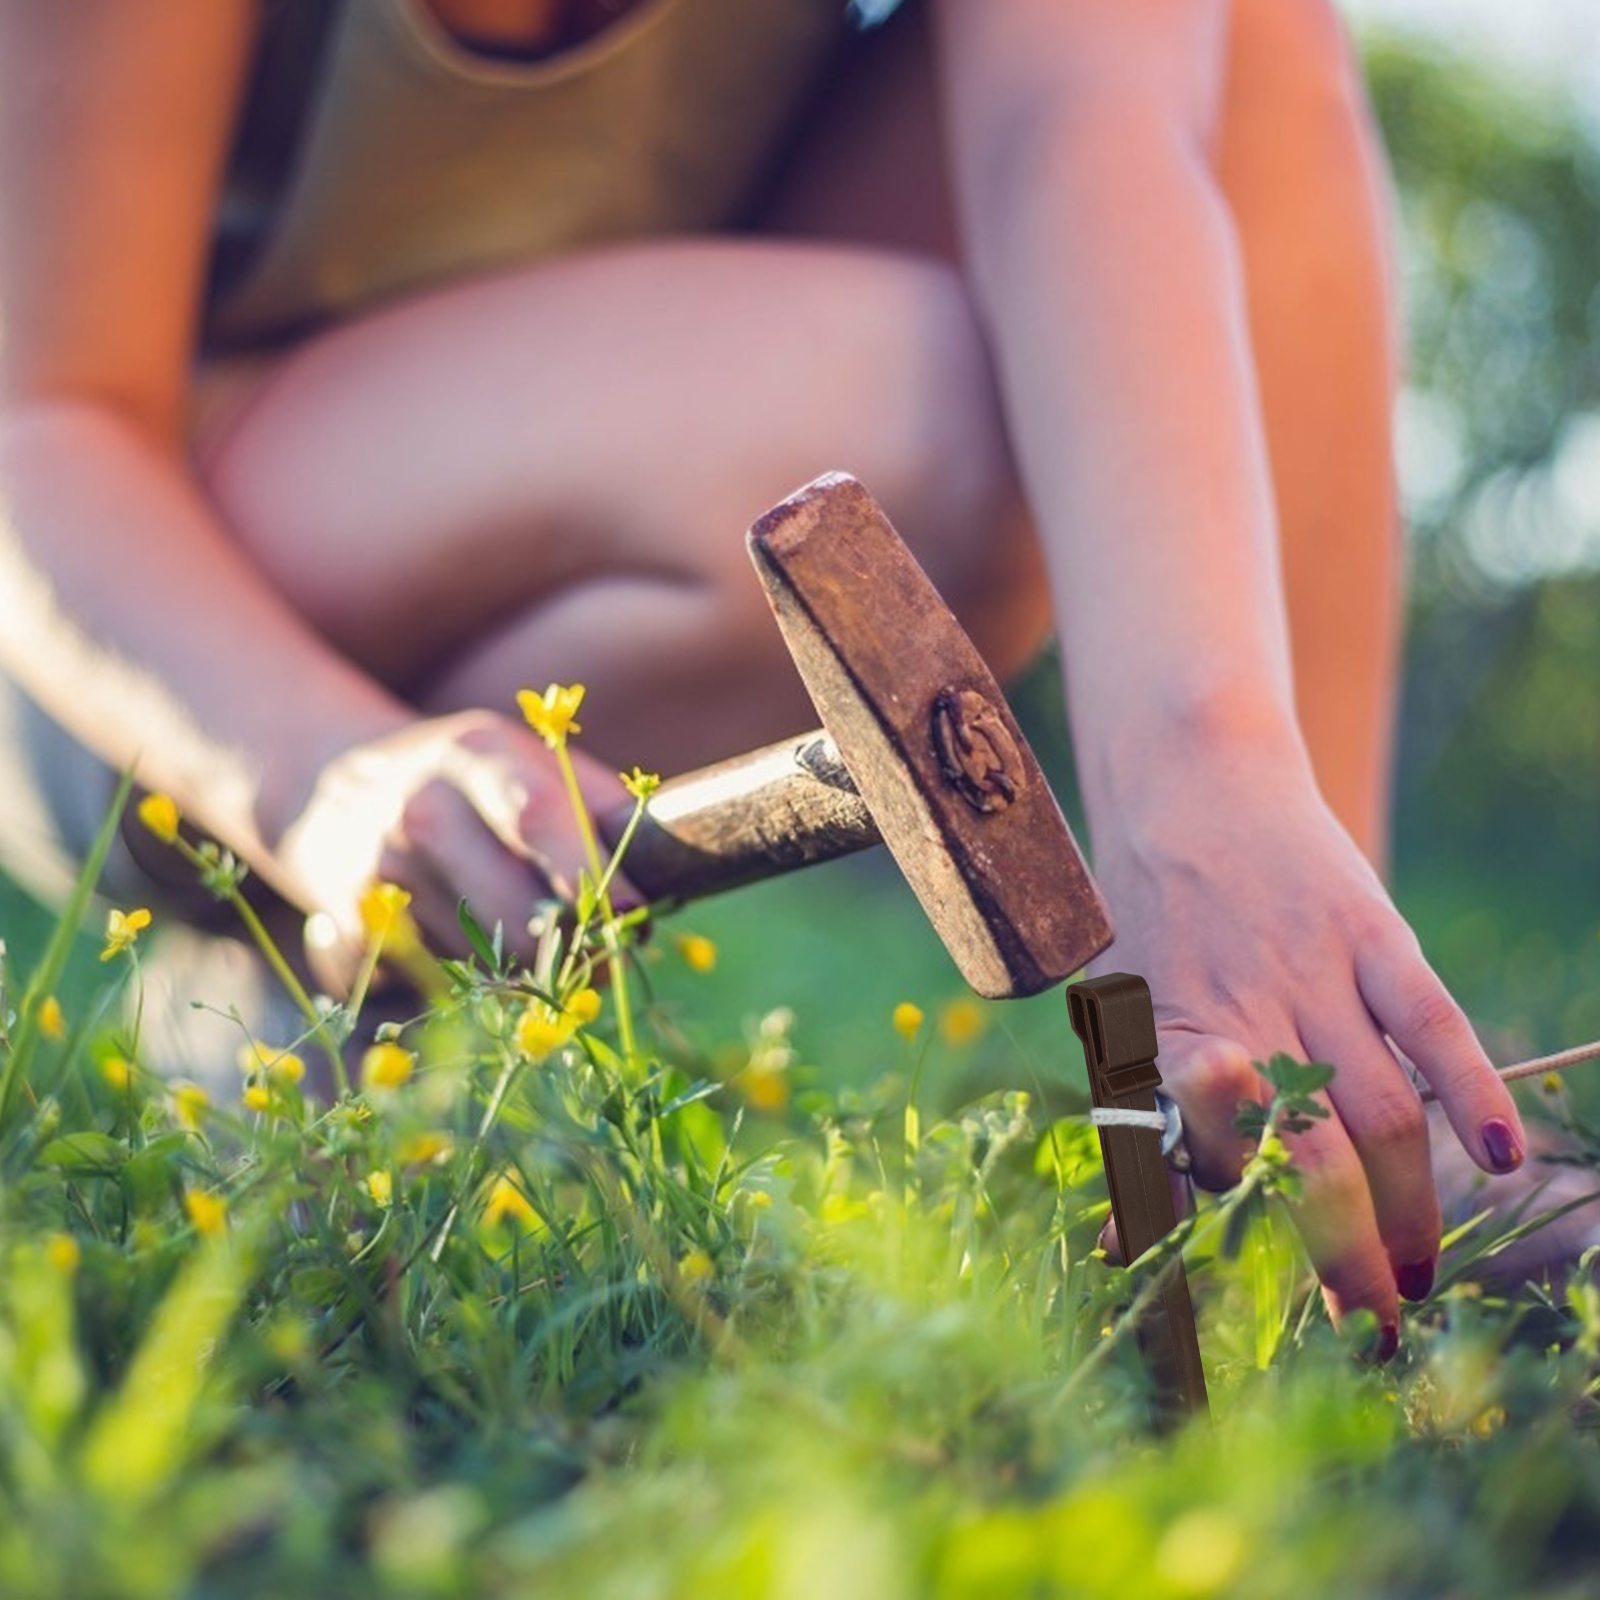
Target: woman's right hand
(469, 806)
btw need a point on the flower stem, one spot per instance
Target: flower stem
(602, 894)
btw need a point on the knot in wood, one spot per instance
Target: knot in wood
(977, 753)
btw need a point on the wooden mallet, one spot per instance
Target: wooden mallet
(920, 751)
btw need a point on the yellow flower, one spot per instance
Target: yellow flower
(256, 1098)
(62, 1252)
(542, 1029)
(384, 917)
(386, 1066)
(764, 1087)
(380, 1185)
(1488, 1421)
(696, 1267)
(1550, 1082)
(117, 1071)
(699, 952)
(208, 1212)
(122, 928)
(286, 1067)
(189, 1103)
(639, 783)
(1203, 1552)
(422, 1148)
(583, 1007)
(838, 1209)
(507, 1200)
(907, 1020)
(158, 813)
(552, 715)
(962, 1021)
(51, 1022)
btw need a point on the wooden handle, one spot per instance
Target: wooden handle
(782, 807)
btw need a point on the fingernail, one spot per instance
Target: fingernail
(1388, 1342)
(1416, 1278)
(1501, 1144)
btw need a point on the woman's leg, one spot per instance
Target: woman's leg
(547, 475)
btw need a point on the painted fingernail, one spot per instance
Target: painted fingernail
(1415, 1279)
(1504, 1151)
(1388, 1342)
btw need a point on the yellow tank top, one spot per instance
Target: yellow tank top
(404, 159)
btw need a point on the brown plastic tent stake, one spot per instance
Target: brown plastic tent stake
(1114, 1018)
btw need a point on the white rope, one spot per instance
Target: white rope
(1112, 1117)
(1167, 1121)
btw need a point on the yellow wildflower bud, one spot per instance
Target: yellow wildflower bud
(51, 1022)
(764, 1088)
(62, 1252)
(542, 1030)
(696, 1267)
(962, 1021)
(208, 1212)
(507, 1200)
(117, 1071)
(422, 1148)
(386, 1065)
(757, 1199)
(1550, 1082)
(122, 928)
(907, 1020)
(189, 1103)
(256, 1098)
(583, 1007)
(552, 715)
(838, 1209)
(286, 1068)
(1487, 1421)
(698, 952)
(380, 1185)
(384, 917)
(158, 813)
(640, 784)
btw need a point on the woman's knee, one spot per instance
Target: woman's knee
(917, 417)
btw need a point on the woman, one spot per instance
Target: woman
(1094, 298)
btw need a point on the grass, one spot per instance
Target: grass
(686, 1292)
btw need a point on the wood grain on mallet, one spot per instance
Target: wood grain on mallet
(998, 872)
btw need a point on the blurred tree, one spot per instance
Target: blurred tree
(1498, 824)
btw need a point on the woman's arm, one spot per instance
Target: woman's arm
(1107, 269)
(131, 614)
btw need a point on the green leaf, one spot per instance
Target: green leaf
(146, 1433)
(85, 1152)
(150, 1179)
(476, 937)
(47, 976)
(1297, 1079)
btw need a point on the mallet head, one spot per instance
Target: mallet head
(929, 742)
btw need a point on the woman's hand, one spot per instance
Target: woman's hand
(1260, 927)
(470, 805)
